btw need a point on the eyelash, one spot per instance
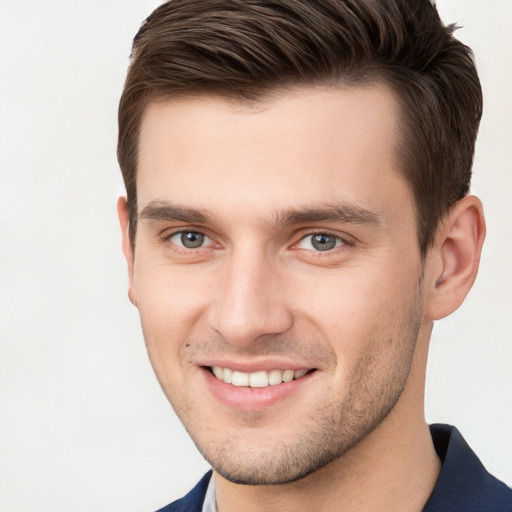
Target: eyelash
(343, 242)
(167, 237)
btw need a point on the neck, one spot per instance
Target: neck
(393, 469)
(397, 476)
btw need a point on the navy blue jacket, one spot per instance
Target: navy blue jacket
(464, 485)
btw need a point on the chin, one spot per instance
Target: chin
(243, 461)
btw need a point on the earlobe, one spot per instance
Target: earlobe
(124, 221)
(456, 254)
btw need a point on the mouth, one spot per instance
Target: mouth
(259, 379)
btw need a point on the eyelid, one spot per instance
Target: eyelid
(167, 235)
(345, 240)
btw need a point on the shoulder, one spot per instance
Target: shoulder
(464, 485)
(193, 501)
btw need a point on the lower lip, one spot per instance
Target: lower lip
(253, 399)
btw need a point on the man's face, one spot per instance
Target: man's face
(277, 242)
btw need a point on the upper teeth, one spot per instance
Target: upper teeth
(257, 379)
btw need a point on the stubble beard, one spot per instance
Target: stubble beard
(332, 428)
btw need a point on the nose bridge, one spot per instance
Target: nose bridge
(249, 303)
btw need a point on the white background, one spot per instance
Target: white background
(83, 423)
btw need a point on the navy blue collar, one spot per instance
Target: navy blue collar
(464, 485)
(193, 501)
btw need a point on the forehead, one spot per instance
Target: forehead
(294, 149)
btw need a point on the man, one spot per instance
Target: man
(297, 217)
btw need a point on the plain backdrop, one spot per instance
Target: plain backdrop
(84, 425)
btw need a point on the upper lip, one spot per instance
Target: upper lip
(256, 365)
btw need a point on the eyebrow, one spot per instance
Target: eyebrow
(165, 211)
(340, 212)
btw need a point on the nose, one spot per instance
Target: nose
(249, 303)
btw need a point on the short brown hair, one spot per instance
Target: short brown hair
(244, 49)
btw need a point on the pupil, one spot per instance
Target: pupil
(192, 239)
(322, 242)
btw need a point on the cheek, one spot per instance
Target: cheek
(170, 295)
(355, 308)
(171, 304)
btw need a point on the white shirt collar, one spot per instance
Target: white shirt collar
(209, 503)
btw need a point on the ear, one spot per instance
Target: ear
(124, 220)
(455, 257)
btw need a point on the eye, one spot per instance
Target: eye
(190, 239)
(320, 242)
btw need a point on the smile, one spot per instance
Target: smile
(260, 379)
